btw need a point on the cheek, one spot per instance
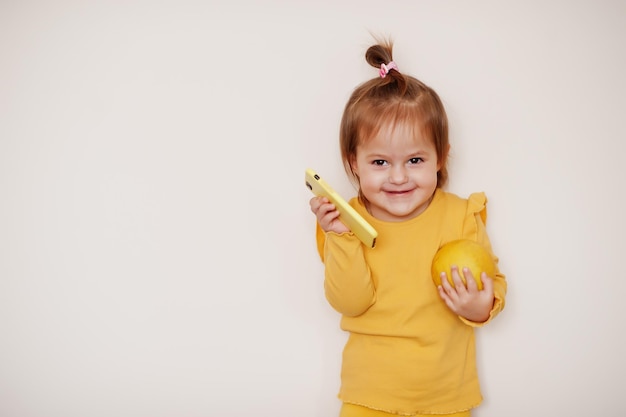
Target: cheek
(370, 180)
(433, 177)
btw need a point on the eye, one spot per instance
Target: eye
(379, 162)
(415, 160)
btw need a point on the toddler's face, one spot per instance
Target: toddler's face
(397, 172)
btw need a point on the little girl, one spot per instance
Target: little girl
(411, 347)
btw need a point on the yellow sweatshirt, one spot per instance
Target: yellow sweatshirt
(407, 353)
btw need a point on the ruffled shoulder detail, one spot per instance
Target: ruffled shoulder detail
(476, 212)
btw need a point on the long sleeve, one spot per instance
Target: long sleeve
(477, 215)
(348, 283)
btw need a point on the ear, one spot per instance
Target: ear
(442, 161)
(353, 165)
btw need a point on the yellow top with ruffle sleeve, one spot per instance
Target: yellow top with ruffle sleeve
(406, 353)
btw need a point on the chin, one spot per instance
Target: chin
(408, 212)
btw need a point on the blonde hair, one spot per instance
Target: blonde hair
(394, 99)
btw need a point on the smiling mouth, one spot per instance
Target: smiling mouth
(399, 192)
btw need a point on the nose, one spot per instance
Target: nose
(398, 175)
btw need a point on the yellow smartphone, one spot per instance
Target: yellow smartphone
(347, 214)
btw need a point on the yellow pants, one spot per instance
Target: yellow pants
(351, 410)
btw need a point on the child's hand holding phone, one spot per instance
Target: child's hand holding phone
(334, 213)
(327, 215)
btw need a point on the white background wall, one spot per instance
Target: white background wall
(156, 246)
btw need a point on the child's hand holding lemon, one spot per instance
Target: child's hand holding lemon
(463, 253)
(456, 259)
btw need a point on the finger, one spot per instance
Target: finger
(456, 278)
(316, 203)
(442, 292)
(327, 217)
(330, 215)
(449, 290)
(445, 284)
(326, 208)
(487, 283)
(472, 285)
(445, 297)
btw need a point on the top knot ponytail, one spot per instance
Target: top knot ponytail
(381, 56)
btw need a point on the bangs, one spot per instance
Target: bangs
(406, 115)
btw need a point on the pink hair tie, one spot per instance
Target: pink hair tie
(384, 69)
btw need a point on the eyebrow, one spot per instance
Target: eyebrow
(374, 154)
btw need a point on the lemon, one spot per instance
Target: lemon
(463, 253)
